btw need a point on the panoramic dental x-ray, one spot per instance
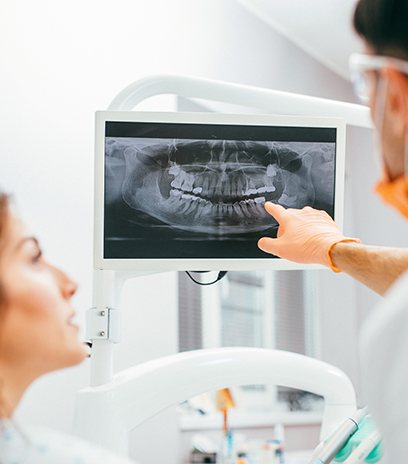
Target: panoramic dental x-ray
(200, 197)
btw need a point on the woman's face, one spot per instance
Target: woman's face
(37, 334)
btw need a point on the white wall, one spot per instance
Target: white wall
(61, 61)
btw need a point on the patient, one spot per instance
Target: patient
(37, 335)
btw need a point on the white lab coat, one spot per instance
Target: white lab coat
(384, 361)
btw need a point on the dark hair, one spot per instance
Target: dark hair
(383, 24)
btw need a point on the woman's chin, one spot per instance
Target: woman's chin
(82, 353)
(76, 354)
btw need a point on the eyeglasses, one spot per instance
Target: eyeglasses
(361, 67)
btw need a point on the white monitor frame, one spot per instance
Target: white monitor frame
(169, 264)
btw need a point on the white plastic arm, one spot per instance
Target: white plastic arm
(107, 290)
(107, 413)
(271, 101)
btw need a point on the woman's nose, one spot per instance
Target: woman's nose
(68, 286)
(71, 287)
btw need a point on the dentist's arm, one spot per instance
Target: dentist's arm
(374, 266)
(311, 236)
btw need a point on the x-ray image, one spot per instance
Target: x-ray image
(186, 198)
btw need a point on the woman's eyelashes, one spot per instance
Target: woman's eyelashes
(37, 257)
(34, 252)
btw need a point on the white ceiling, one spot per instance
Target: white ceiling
(322, 28)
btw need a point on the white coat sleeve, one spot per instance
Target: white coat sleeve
(384, 370)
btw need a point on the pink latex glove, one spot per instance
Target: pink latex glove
(305, 235)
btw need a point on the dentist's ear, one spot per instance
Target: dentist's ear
(398, 99)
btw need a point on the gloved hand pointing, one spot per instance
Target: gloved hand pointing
(305, 235)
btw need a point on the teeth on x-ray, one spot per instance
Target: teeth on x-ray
(220, 187)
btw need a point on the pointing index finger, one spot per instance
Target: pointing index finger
(275, 210)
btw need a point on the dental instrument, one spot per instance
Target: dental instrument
(364, 449)
(366, 427)
(329, 448)
(224, 402)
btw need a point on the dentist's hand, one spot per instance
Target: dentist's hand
(305, 235)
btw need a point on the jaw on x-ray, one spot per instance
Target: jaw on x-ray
(216, 187)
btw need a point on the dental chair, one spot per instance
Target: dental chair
(107, 413)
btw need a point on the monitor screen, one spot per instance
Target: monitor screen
(188, 190)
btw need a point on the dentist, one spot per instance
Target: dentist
(311, 236)
(381, 78)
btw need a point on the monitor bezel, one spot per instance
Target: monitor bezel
(210, 264)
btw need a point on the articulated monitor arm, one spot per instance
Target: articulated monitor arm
(268, 100)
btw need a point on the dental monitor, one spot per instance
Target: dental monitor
(186, 191)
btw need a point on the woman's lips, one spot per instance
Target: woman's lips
(71, 320)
